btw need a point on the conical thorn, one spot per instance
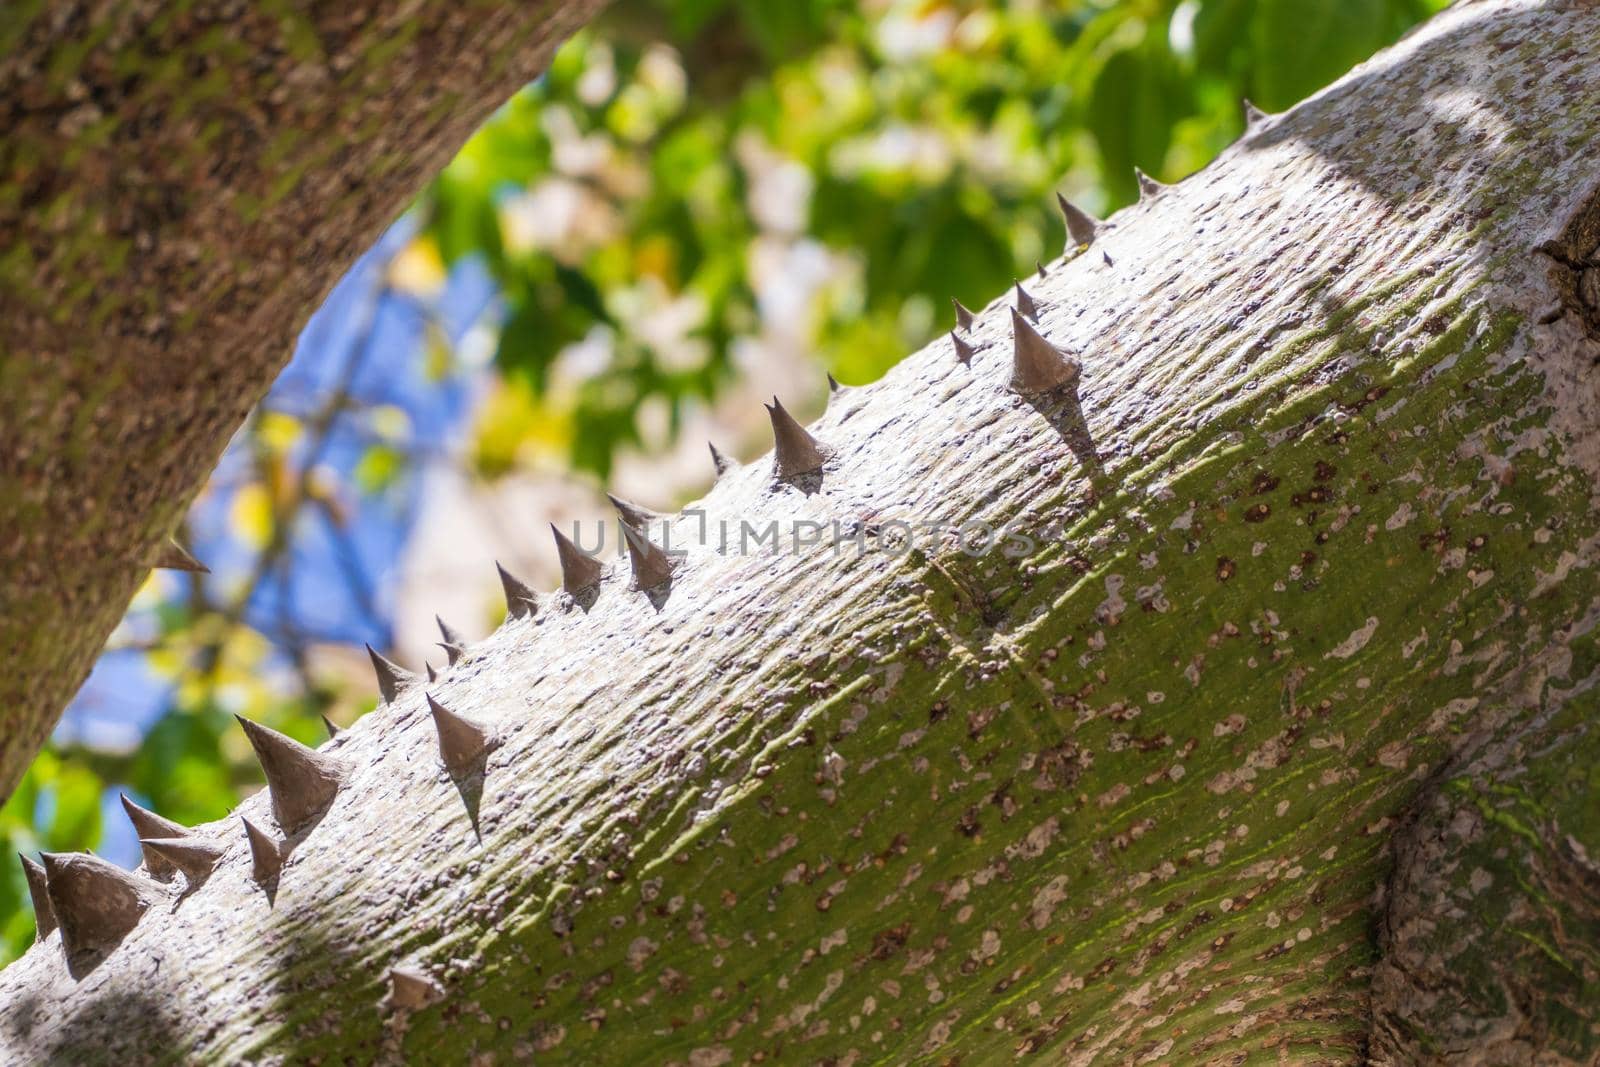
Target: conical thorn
(392, 678)
(1025, 303)
(1082, 227)
(266, 853)
(719, 461)
(964, 351)
(1149, 188)
(632, 514)
(411, 989)
(147, 823)
(95, 903)
(796, 451)
(579, 570)
(461, 741)
(174, 557)
(194, 856)
(521, 600)
(328, 725)
(301, 780)
(1254, 117)
(44, 920)
(433, 675)
(963, 316)
(1038, 367)
(651, 567)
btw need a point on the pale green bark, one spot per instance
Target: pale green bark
(1315, 588)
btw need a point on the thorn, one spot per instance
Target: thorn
(266, 853)
(453, 644)
(461, 741)
(95, 903)
(174, 557)
(147, 823)
(191, 855)
(301, 780)
(579, 570)
(392, 677)
(1038, 366)
(1107, 257)
(1082, 227)
(1040, 267)
(963, 316)
(651, 567)
(964, 351)
(1149, 188)
(795, 451)
(1254, 117)
(521, 600)
(433, 675)
(327, 724)
(452, 653)
(719, 461)
(411, 989)
(833, 385)
(632, 513)
(44, 920)
(1025, 303)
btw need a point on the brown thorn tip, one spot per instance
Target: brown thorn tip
(1038, 367)
(721, 463)
(433, 675)
(651, 567)
(964, 351)
(174, 557)
(191, 855)
(44, 920)
(963, 316)
(579, 570)
(452, 653)
(1253, 116)
(1025, 303)
(392, 677)
(301, 780)
(453, 644)
(1082, 227)
(796, 451)
(632, 513)
(461, 741)
(1149, 188)
(266, 853)
(327, 724)
(521, 600)
(147, 823)
(833, 384)
(95, 903)
(411, 989)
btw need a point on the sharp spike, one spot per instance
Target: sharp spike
(266, 853)
(964, 351)
(719, 461)
(301, 780)
(327, 724)
(795, 450)
(1040, 268)
(95, 903)
(452, 653)
(1149, 188)
(1254, 117)
(1107, 257)
(450, 633)
(833, 384)
(579, 570)
(461, 741)
(651, 567)
(1038, 367)
(963, 316)
(632, 513)
(433, 675)
(191, 855)
(1025, 303)
(174, 557)
(147, 823)
(1082, 227)
(411, 989)
(392, 678)
(521, 600)
(44, 920)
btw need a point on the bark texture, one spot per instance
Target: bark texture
(1279, 744)
(180, 184)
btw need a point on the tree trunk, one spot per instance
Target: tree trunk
(1277, 743)
(180, 185)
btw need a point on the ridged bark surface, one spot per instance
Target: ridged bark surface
(180, 185)
(1279, 743)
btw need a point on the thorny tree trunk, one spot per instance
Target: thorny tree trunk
(180, 184)
(1279, 745)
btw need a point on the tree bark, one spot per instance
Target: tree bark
(1277, 744)
(180, 185)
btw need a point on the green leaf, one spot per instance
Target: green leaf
(1302, 45)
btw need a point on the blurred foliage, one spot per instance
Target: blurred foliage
(693, 181)
(687, 173)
